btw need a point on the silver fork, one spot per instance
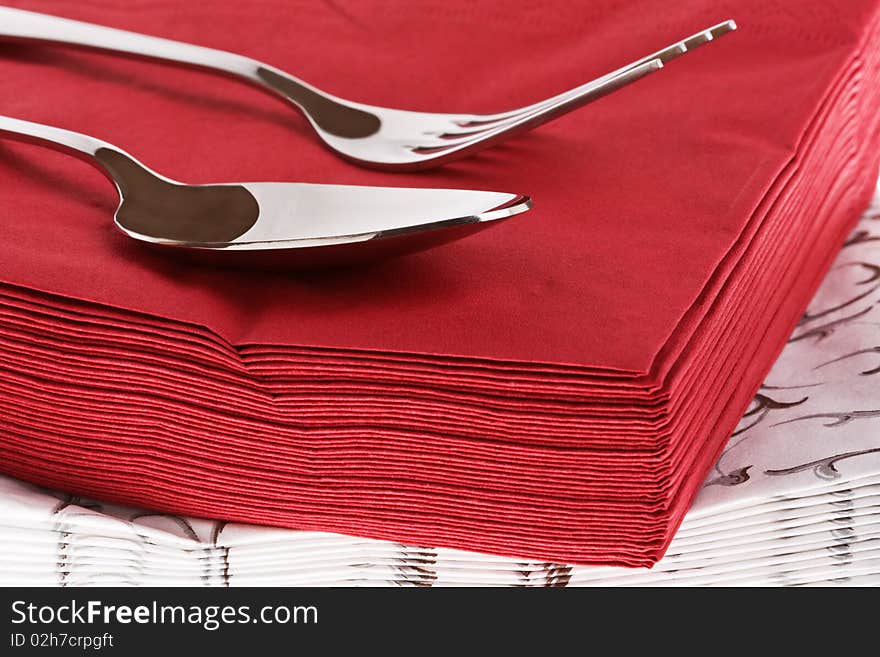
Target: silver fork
(371, 136)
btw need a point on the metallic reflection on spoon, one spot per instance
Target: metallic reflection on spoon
(277, 224)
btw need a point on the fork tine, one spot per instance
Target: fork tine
(545, 113)
(665, 55)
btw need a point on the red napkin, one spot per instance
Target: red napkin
(555, 388)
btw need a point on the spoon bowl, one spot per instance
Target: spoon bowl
(290, 225)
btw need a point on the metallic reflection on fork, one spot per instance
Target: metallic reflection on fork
(371, 136)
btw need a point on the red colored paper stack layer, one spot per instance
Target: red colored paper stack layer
(555, 388)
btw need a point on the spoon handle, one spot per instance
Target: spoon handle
(72, 143)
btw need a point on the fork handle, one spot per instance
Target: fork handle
(320, 108)
(29, 26)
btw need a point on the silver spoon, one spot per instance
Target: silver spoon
(276, 224)
(368, 135)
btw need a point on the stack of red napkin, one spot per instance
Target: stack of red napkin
(555, 388)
